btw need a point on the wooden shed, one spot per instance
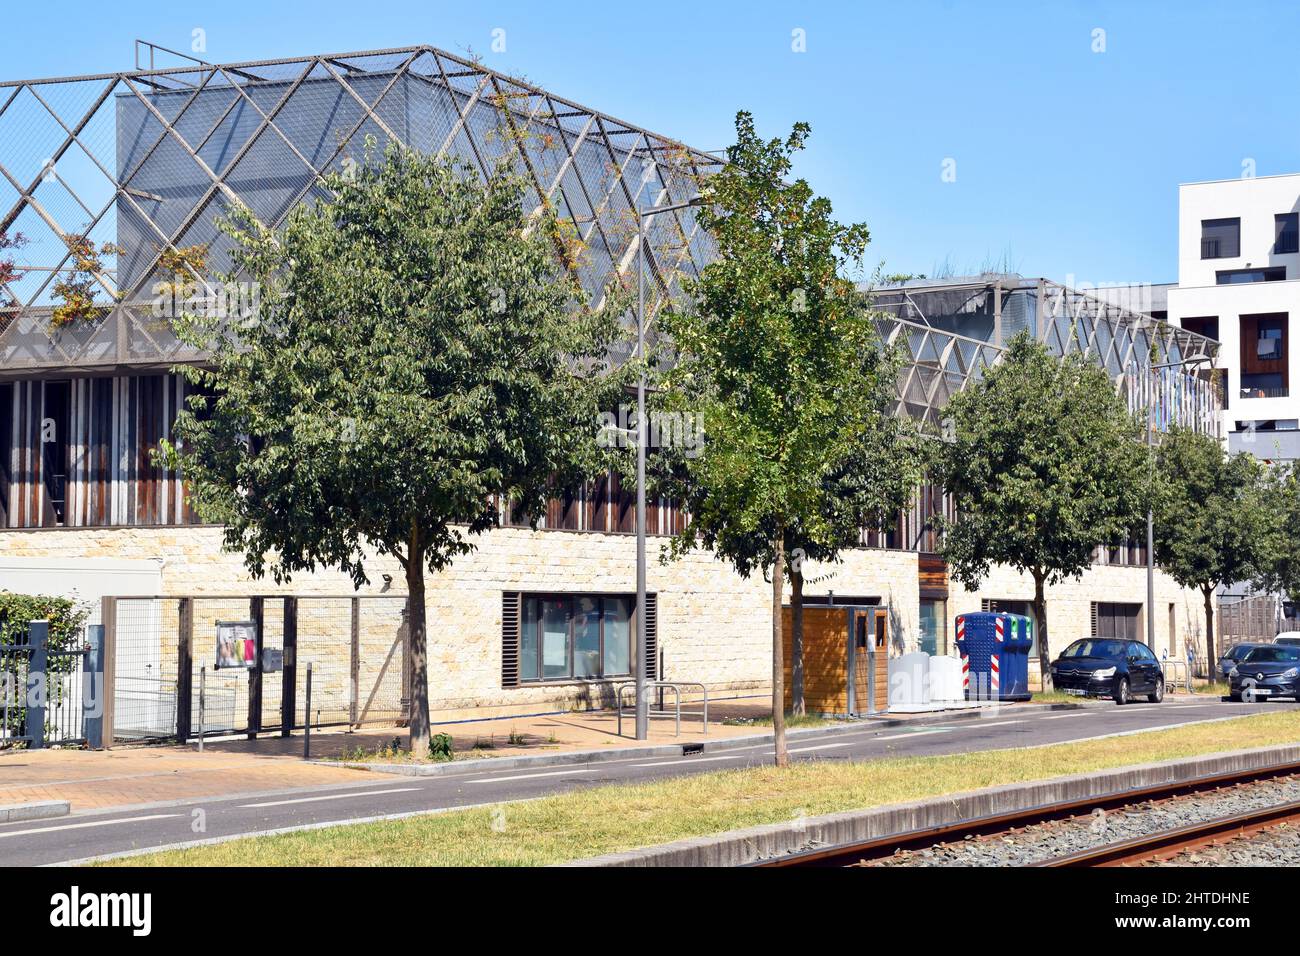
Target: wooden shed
(839, 641)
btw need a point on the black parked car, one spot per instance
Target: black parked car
(1270, 670)
(1109, 667)
(1233, 655)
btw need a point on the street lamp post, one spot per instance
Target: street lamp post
(1192, 360)
(642, 638)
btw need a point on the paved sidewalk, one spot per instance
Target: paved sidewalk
(132, 775)
(95, 780)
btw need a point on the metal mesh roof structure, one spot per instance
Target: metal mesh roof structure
(114, 180)
(952, 330)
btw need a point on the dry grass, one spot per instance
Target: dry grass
(606, 819)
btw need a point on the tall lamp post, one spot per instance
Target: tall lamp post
(1200, 358)
(642, 640)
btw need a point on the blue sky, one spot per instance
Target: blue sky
(1067, 160)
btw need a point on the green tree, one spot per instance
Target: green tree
(782, 362)
(1212, 517)
(1279, 563)
(1044, 465)
(419, 357)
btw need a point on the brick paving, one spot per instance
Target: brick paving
(92, 780)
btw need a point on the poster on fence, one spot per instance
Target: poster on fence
(236, 644)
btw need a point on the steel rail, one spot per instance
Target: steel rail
(1167, 843)
(880, 847)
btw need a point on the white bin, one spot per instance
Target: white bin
(909, 680)
(945, 679)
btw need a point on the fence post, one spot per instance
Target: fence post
(306, 737)
(38, 633)
(185, 669)
(203, 701)
(92, 689)
(354, 671)
(255, 608)
(108, 617)
(405, 634)
(288, 677)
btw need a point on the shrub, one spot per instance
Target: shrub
(440, 747)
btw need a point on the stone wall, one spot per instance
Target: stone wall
(714, 626)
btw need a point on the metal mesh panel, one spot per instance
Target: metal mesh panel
(226, 708)
(144, 686)
(382, 672)
(325, 641)
(146, 161)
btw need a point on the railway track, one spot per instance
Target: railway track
(1170, 843)
(1162, 844)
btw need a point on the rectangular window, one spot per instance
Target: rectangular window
(1207, 325)
(933, 626)
(1117, 620)
(575, 637)
(1286, 231)
(1264, 355)
(1220, 238)
(528, 642)
(1245, 276)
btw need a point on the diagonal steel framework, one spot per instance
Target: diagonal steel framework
(951, 331)
(144, 163)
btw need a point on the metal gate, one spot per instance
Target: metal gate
(49, 694)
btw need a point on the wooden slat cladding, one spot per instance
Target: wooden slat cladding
(932, 576)
(78, 452)
(604, 505)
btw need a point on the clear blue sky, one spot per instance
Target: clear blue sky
(1067, 161)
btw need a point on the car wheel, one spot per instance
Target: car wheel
(1157, 695)
(1121, 691)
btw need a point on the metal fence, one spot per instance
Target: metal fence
(47, 692)
(357, 646)
(1260, 617)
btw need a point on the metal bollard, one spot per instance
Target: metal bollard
(306, 737)
(203, 700)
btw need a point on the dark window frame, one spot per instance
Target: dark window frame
(572, 598)
(1286, 233)
(1214, 247)
(1264, 273)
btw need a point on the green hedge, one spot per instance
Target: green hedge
(66, 617)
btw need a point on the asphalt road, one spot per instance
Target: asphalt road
(96, 833)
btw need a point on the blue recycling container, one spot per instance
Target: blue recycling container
(994, 648)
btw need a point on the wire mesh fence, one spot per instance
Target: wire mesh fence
(46, 692)
(164, 646)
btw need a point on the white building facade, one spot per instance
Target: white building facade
(1239, 282)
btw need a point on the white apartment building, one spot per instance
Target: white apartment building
(1239, 282)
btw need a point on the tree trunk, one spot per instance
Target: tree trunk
(1044, 651)
(419, 645)
(778, 653)
(797, 707)
(1209, 631)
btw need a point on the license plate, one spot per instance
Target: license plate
(1262, 691)
(1076, 692)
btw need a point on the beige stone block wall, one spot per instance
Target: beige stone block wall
(714, 626)
(1069, 604)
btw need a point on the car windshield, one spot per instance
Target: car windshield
(1100, 648)
(1292, 640)
(1277, 654)
(1238, 652)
